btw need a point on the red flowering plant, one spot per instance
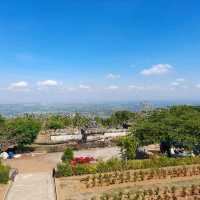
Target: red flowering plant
(81, 160)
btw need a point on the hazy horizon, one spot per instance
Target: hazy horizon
(132, 101)
(102, 109)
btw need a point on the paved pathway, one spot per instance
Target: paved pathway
(32, 186)
(34, 181)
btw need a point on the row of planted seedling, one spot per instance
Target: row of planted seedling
(167, 193)
(119, 177)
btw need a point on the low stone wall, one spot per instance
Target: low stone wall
(115, 134)
(74, 135)
(111, 133)
(65, 138)
(64, 131)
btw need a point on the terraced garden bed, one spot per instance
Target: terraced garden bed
(119, 185)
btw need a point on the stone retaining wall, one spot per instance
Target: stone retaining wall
(108, 134)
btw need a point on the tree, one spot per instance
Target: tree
(99, 120)
(2, 128)
(80, 121)
(119, 118)
(23, 129)
(2, 120)
(166, 144)
(128, 146)
(181, 123)
(54, 124)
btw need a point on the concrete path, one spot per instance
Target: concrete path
(32, 186)
(34, 181)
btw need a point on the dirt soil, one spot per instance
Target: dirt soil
(35, 162)
(71, 189)
(44, 162)
(3, 189)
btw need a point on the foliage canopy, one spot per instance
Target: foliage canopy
(180, 123)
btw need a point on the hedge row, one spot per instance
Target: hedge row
(65, 169)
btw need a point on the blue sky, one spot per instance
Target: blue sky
(73, 51)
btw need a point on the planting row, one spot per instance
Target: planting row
(119, 177)
(191, 193)
(69, 169)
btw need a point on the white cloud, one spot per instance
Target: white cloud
(135, 87)
(180, 80)
(112, 87)
(19, 86)
(172, 88)
(159, 69)
(48, 83)
(142, 88)
(198, 86)
(113, 76)
(87, 87)
(185, 87)
(175, 83)
(71, 89)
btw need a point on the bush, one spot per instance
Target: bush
(115, 164)
(52, 124)
(90, 169)
(64, 169)
(128, 146)
(68, 155)
(4, 174)
(161, 162)
(80, 169)
(112, 164)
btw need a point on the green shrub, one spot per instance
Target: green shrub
(101, 167)
(68, 155)
(4, 174)
(161, 162)
(80, 169)
(64, 169)
(91, 168)
(115, 164)
(128, 147)
(112, 164)
(53, 124)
